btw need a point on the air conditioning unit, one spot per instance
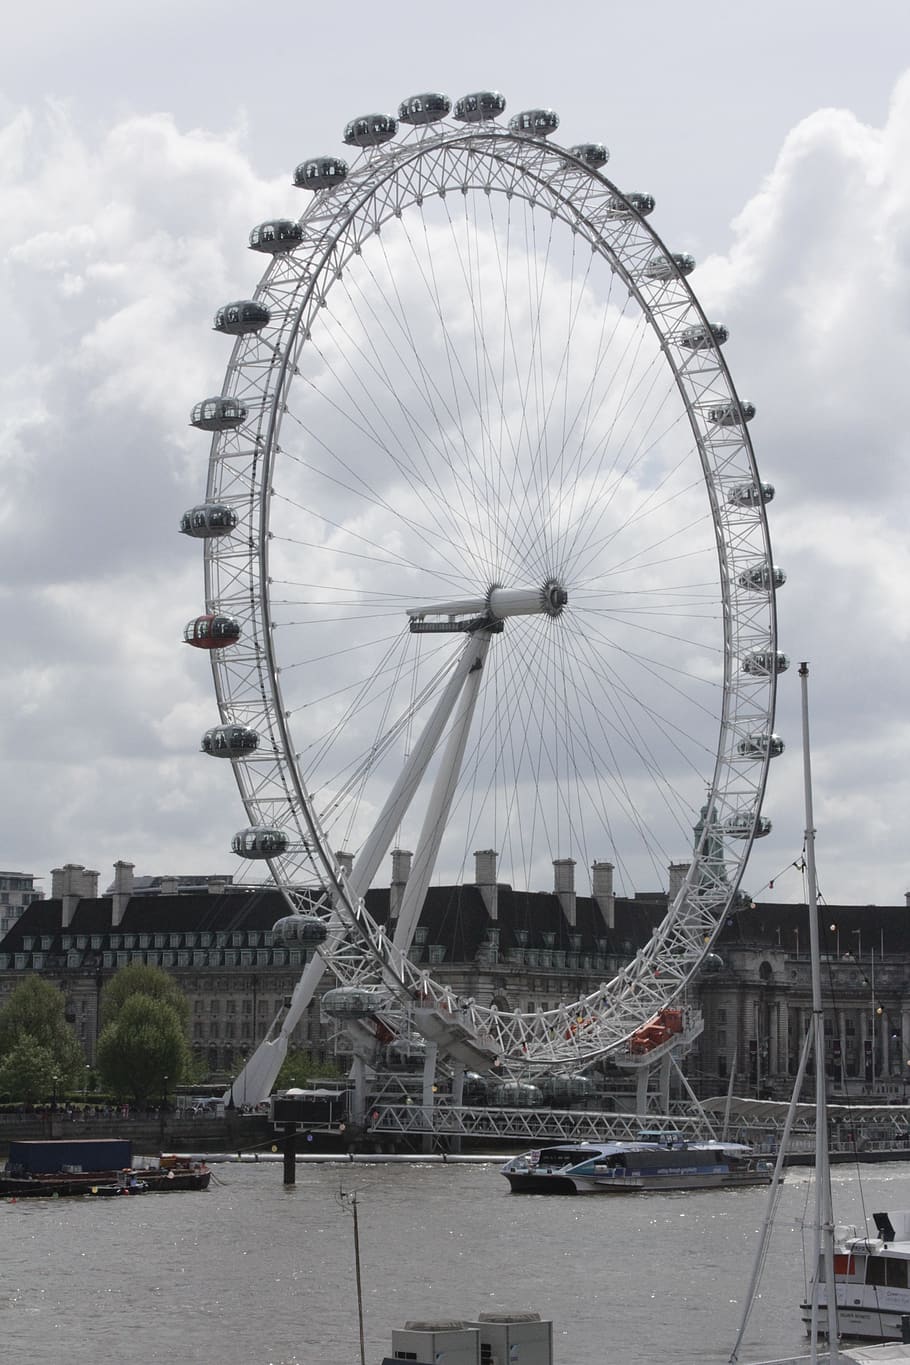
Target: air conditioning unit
(514, 1339)
(437, 1343)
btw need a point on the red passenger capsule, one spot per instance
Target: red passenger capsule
(212, 632)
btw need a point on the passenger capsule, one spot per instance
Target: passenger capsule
(667, 267)
(564, 1088)
(260, 841)
(300, 930)
(476, 1088)
(740, 825)
(762, 577)
(230, 741)
(370, 130)
(757, 746)
(750, 494)
(212, 632)
(243, 316)
(516, 1095)
(742, 901)
(593, 154)
(219, 414)
(208, 520)
(712, 963)
(624, 204)
(702, 337)
(276, 236)
(353, 1002)
(534, 122)
(320, 173)
(428, 108)
(732, 414)
(764, 662)
(479, 107)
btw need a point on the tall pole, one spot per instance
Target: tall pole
(343, 1198)
(824, 1215)
(872, 989)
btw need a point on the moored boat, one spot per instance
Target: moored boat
(871, 1280)
(635, 1167)
(95, 1166)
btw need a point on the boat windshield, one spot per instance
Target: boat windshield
(557, 1157)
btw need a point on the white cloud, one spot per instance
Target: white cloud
(118, 247)
(815, 289)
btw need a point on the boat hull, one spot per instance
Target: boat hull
(102, 1182)
(859, 1323)
(528, 1183)
(635, 1168)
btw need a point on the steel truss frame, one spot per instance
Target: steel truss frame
(387, 182)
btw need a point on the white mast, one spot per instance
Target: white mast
(824, 1215)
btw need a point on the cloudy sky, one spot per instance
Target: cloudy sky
(136, 150)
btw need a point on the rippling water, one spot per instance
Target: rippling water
(253, 1274)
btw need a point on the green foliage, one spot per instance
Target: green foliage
(35, 1011)
(300, 1066)
(143, 1054)
(28, 1071)
(137, 979)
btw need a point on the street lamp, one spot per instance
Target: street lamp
(835, 929)
(54, 1096)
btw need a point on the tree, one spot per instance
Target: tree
(36, 1011)
(28, 1071)
(151, 982)
(143, 1053)
(300, 1066)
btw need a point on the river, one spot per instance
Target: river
(251, 1273)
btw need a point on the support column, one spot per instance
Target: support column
(664, 1083)
(359, 1098)
(289, 1150)
(429, 1081)
(773, 1041)
(641, 1091)
(457, 1101)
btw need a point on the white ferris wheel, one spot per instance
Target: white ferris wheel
(487, 564)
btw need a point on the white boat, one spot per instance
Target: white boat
(634, 1167)
(871, 1280)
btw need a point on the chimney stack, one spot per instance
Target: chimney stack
(168, 886)
(401, 870)
(485, 879)
(564, 886)
(90, 884)
(123, 890)
(677, 877)
(602, 887)
(72, 891)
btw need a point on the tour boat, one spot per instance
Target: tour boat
(871, 1274)
(634, 1167)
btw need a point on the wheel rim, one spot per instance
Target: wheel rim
(473, 381)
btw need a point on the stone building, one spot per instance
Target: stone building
(756, 996)
(17, 890)
(519, 950)
(523, 950)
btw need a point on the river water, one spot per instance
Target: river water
(251, 1273)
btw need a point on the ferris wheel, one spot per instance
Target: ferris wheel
(487, 565)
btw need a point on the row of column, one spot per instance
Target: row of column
(889, 1032)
